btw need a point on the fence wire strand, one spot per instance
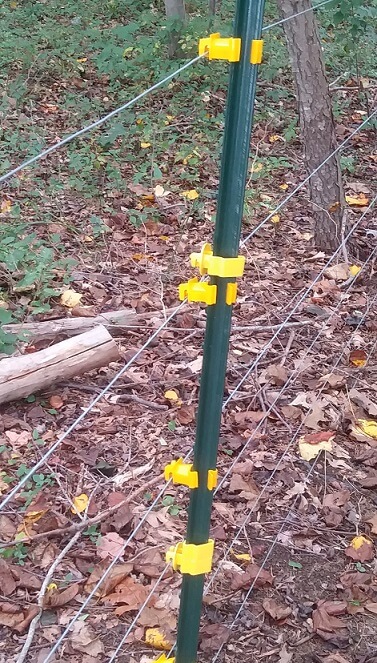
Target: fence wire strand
(87, 410)
(308, 178)
(99, 122)
(300, 427)
(304, 11)
(267, 556)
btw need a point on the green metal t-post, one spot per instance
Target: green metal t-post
(234, 167)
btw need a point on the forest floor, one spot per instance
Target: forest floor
(303, 531)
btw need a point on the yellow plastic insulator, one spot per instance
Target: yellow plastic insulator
(181, 473)
(163, 659)
(256, 52)
(231, 293)
(220, 48)
(212, 265)
(190, 558)
(212, 479)
(196, 291)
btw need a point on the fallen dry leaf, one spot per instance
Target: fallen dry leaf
(56, 599)
(338, 272)
(252, 572)
(84, 639)
(110, 545)
(130, 594)
(7, 582)
(310, 445)
(80, 503)
(360, 549)
(56, 401)
(276, 610)
(373, 521)
(324, 618)
(16, 618)
(117, 574)
(371, 607)
(358, 358)
(70, 298)
(214, 636)
(158, 639)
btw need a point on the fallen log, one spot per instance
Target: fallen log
(116, 322)
(25, 375)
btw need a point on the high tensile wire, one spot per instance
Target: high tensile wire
(308, 178)
(291, 442)
(132, 102)
(98, 123)
(267, 556)
(86, 411)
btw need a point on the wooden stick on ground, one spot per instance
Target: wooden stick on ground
(78, 527)
(22, 376)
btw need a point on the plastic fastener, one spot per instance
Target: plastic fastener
(197, 291)
(256, 51)
(220, 48)
(212, 265)
(190, 558)
(181, 473)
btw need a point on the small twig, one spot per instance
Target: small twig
(136, 399)
(42, 592)
(77, 527)
(287, 348)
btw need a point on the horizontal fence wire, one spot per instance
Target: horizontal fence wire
(308, 178)
(291, 442)
(304, 11)
(128, 104)
(99, 122)
(87, 410)
(299, 302)
(293, 439)
(131, 537)
(267, 556)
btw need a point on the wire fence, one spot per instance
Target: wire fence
(293, 308)
(263, 491)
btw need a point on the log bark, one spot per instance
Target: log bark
(317, 122)
(116, 322)
(25, 375)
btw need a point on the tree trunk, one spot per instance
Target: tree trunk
(175, 11)
(317, 122)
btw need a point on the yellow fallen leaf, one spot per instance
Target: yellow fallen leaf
(145, 145)
(82, 60)
(257, 167)
(156, 638)
(52, 587)
(139, 120)
(163, 659)
(361, 201)
(284, 186)
(354, 270)
(309, 451)
(192, 194)
(164, 238)
(80, 503)
(5, 206)
(275, 218)
(274, 138)
(70, 298)
(171, 395)
(358, 358)
(170, 117)
(358, 541)
(368, 427)
(242, 557)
